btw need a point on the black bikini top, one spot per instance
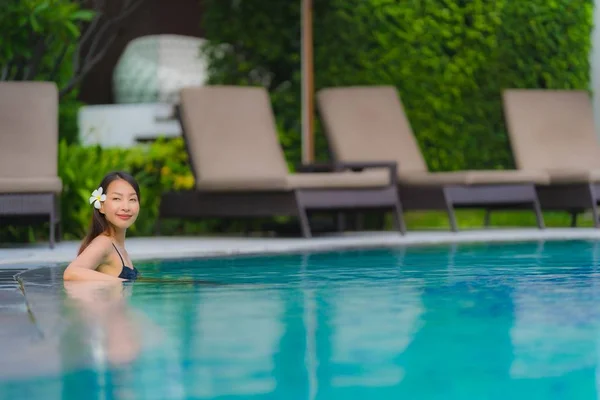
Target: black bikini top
(126, 272)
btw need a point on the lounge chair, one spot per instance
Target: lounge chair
(29, 181)
(553, 130)
(369, 123)
(240, 169)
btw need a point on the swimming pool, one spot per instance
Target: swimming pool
(496, 321)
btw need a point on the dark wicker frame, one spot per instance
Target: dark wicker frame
(489, 197)
(450, 197)
(37, 205)
(574, 198)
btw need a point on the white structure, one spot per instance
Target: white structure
(154, 69)
(124, 125)
(146, 84)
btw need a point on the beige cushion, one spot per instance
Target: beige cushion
(551, 129)
(473, 177)
(243, 184)
(507, 177)
(369, 124)
(574, 176)
(29, 136)
(30, 185)
(231, 135)
(339, 180)
(432, 178)
(334, 180)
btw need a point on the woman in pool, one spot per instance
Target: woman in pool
(102, 255)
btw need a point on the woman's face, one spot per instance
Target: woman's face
(122, 206)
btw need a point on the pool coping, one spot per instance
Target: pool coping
(182, 247)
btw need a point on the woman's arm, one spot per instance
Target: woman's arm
(83, 268)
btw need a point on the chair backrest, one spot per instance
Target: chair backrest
(28, 130)
(230, 133)
(368, 123)
(551, 129)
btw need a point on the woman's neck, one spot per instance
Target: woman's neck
(118, 235)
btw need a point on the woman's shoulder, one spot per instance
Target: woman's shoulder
(102, 242)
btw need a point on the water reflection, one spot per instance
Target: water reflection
(486, 321)
(309, 320)
(556, 324)
(372, 323)
(100, 323)
(236, 336)
(88, 338)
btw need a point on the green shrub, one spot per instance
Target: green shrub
(81, 170)
(38, 42)
(450, 59)
(37, 34)
(68, 110)
(159, 167)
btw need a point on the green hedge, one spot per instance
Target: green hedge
(448, 58)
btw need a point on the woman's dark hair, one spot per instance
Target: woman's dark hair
(99, 225)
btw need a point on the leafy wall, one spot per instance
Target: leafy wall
(449, 59)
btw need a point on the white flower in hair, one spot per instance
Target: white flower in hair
(97, 197)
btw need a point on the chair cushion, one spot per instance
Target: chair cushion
(242, 184)
(30, 185)
(339, 180)
(569, 176)
(507, 177)
(419, 178)
(28, 130)
(473, 177)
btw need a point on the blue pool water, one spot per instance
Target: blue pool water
(497, 321)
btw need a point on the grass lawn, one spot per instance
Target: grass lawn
(509, 219)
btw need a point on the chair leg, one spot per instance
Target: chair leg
(594, 205)
(340, 221)
(539, 216)
(452, 218)
(487, 217)
(304, 224)
(303, 218)
(399, 223)
(450, 211)
(359, 221)
(52, 228)
(58, 233)
(574, 215)
(157, 227)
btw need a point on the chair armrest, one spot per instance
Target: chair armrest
(317, 167)
(392, 166)
(360, 165)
